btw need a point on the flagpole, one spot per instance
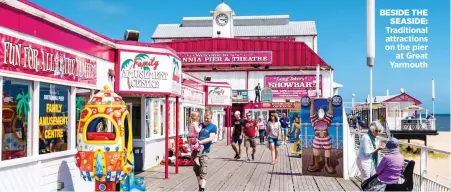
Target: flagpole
(433, 96)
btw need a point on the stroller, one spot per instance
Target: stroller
(184, 156)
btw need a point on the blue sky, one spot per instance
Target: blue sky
(341, 36)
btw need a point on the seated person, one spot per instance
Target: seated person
(390, 168)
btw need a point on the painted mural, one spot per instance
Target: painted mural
(296, 132)
(322, 124)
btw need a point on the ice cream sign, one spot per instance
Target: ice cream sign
(148, 73)
(219, 96)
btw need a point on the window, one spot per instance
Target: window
(16, 118)
(82, 97)
(53, 118)
(161, 117)
(156, 117)
(149, 132)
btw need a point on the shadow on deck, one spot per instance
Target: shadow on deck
(226, 174)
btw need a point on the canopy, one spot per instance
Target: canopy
(413, 107)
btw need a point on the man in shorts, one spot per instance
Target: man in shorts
(237, 137)
(285, 124)
(250, 132)
(206, 137)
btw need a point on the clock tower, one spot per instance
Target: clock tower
(223, 21)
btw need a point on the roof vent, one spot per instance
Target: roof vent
(131, 35)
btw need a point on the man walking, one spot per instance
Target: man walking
(237, 137)
(250, 132)
(285, 123)
(206, 136)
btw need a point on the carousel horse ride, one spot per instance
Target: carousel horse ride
(104, 143)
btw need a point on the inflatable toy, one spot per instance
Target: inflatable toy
(104, 143)
(14, 143)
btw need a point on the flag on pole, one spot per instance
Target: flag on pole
(433, 90)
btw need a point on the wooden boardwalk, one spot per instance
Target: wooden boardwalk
(226, 174)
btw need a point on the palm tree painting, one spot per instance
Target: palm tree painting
(175, 74)
(79, 105)
(23, 105)
(138, 57)
(213, 90)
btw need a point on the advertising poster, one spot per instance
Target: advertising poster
(322, 124)
(53, 118)
(240, 96)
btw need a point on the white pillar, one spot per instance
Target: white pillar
(72, 127)
(370, 43)
(331, 78)
(317, 81)
(35, 117)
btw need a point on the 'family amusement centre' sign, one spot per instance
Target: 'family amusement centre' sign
(148, 73)
(23, 57)
(257, 57)
(219, 96)
(286, 86)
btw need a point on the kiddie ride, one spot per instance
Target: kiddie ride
(104, 141)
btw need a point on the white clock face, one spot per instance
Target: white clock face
(222, 19)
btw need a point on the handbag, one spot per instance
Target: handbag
(365, 183)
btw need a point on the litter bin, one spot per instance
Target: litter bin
(138, 157)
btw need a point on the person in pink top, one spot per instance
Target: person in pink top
(194, 129)
(261, 124)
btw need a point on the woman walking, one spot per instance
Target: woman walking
(261, 124)
(274, 133)
(368, 152)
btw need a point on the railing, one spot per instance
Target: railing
(422, 182)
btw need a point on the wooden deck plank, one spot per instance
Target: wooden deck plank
(226, 174)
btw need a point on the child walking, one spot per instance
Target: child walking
(196, 148)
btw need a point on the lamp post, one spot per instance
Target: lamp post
(370, 46)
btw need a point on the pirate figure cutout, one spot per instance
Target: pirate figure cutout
(321, 122)
(257, 93)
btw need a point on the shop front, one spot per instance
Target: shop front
(149, 80)
(219, 102)
(193, 100)
(44, 87)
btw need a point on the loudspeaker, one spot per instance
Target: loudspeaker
(131, 35)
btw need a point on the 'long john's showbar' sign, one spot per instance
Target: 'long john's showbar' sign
(224, 58)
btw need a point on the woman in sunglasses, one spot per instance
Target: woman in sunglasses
(368, 152)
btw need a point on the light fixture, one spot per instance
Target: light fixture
(235, 66)
(267, 67)
(131, 35)
(201, 66)
(206, 78)
(214, 68)
(256, 66)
